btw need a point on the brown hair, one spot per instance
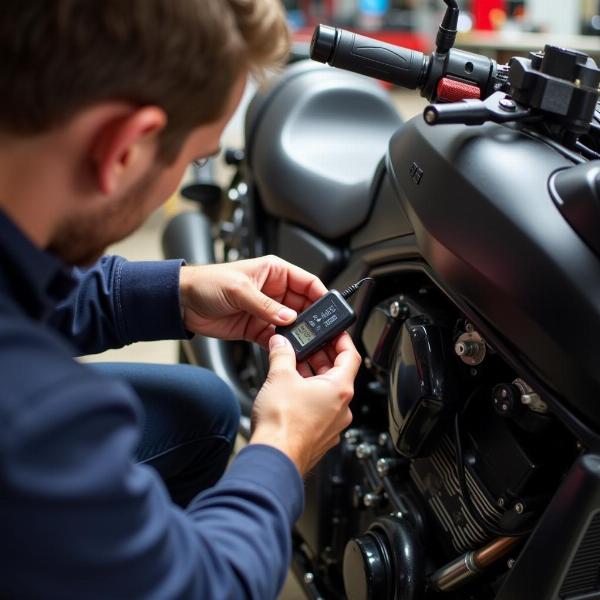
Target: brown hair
(60, 56)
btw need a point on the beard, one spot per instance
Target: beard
(82, 239)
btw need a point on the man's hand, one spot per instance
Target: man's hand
(303, 417)
(245, 299)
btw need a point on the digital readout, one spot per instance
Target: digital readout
(303, 333)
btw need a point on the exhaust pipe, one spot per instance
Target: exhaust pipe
(188, 236)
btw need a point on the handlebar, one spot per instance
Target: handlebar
(412, 70)
(363, 55)
(435, 75)
(558, 84)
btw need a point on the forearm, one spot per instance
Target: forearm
(117, 302)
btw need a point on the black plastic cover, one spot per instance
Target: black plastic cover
(314, 141)
(545, 566)
(420, 385)
(563, 84)
(576, 192)
(387, 219)
(488, 228)
(302, 248)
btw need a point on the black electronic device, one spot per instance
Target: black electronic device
(321, 322)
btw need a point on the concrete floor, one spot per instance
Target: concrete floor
(145, 245)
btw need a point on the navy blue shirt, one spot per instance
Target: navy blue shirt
(78, 517)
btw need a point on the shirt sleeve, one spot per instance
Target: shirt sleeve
(117, 302)
(80, 519)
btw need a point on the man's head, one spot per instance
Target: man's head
(125, 93)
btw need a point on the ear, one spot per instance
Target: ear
(126, 146)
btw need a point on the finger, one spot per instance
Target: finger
(281, 355)
(331, 353)
(282, 276)
(263, 307)
(304, 369)
(320, 362)
(261, 334)
(348, 360)
(296, 301)
(305, 283)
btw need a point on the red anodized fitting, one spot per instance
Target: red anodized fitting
(451, 90)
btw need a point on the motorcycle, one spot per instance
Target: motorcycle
(472, 468)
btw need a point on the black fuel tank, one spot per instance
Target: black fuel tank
(485, 222)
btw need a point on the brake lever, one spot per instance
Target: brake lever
(498, 108)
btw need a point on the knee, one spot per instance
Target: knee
(229, 409)
(217, 402)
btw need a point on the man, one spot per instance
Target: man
(103, 105)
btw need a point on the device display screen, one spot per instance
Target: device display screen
(303, 333)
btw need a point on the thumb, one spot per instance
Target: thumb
(265, 308)
(281, 355)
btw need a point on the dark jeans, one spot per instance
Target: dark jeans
(191, 420)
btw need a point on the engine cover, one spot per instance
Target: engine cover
(421, 385)
(386, 563)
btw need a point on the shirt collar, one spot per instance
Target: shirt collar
(35, 279)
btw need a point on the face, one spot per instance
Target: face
(82, 238)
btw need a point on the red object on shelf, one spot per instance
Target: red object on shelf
(306, 6)
(451, 90)
(482, 10)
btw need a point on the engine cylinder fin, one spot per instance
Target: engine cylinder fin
(436, 478)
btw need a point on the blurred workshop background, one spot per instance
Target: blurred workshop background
(497, 28)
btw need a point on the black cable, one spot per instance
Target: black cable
(352, 289)
(555, 145)
(587, 152)
(466, 494)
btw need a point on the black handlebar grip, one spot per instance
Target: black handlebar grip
(360, 54)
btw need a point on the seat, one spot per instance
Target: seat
(313, 141)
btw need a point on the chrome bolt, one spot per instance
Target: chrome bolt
(508, 105)
(383, 438)
(430, 115)
(383, 467)
(500, 502)
(467, 348)
(352, 436)
(469, 328)
(510, 563)
(519, 508)
(371, 500)
(473, 372)
(460, 348)
(309, 578)
(364, 451)
(395, 309)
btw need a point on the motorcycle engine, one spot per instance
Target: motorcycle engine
(470, 457)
